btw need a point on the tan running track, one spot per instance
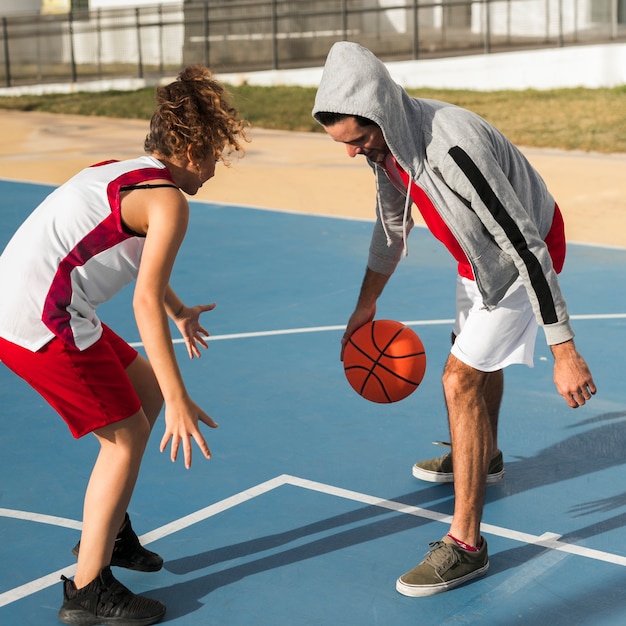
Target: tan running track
(300, 172)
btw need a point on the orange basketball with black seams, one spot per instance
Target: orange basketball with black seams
(384, 361)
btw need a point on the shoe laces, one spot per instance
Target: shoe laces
(442, 554)
(117, 600)
(113, 595)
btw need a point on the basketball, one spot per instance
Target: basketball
(384, 361)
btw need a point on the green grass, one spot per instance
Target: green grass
(570, 119)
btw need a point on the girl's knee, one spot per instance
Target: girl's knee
(146, 387)
(132, 433)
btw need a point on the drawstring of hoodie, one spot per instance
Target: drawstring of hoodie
(407, 204)
(380, 213)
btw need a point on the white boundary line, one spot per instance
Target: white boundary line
(298, 331)
(321, 329)
(13, 595)
(547, 540)
(40, 518)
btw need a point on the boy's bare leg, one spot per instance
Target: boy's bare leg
(473, 399)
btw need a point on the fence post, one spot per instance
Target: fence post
(99, 38)
(161, 54)
(207, 51)
(416, 38)
(274, 34)
(139, 57)
(7, 63)
(487, 22)
(72, 57)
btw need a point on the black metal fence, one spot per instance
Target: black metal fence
(248, 35)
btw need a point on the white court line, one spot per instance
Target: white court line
(599, 316)
(297, 331)
(547, 540)
(34, 586)
(17, 593)
(213, 509)
(40, 518)
(321, 329)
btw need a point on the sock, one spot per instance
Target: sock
(466, 546)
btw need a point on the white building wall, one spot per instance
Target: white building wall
(14, 7)
(592, 66)
(532, 17)
(398, 18)
(118, 40)
(536, 18)
(125, 4)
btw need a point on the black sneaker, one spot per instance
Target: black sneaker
(129, 553)
(106, 601)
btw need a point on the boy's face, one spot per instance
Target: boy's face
(365, 140)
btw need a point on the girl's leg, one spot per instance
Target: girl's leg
(110, 487)
(146, 387)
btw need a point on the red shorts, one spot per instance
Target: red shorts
(89, 388)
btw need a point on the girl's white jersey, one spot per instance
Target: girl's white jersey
(70, 255)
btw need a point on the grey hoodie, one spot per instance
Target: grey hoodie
(493, 201)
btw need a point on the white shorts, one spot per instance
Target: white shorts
(491, 340)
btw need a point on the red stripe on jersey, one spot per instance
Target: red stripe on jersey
(107, 234)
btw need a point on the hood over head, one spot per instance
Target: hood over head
(355, 82)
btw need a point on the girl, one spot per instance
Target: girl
(112, 223)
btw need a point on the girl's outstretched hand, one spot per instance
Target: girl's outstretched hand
(181, 426)
(188, 323)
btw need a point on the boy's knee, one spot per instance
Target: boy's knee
(459, 378)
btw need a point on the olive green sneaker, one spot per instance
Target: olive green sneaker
(445, 567)
(439, 470)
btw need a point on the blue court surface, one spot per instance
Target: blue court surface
(308, 512)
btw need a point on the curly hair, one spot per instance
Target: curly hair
(195, 111)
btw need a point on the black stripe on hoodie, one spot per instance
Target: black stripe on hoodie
(512, 231)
